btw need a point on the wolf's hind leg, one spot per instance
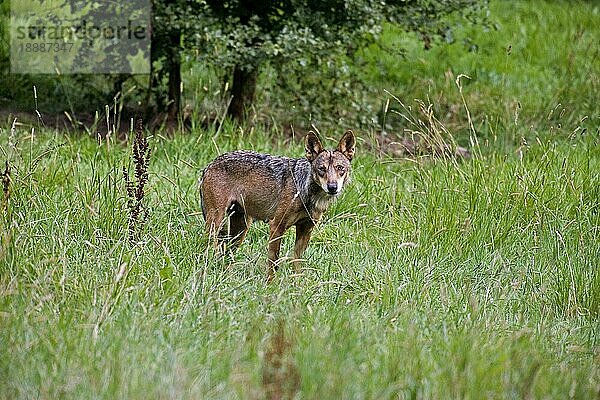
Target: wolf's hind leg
(216, 226)
(214, 222)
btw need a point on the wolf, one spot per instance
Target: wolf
(240, 187)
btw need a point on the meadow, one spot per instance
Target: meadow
(431, 277)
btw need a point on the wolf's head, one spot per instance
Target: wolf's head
(330, 168)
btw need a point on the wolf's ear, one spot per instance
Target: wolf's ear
(346, 145)
(313, 146)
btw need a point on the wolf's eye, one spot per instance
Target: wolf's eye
(321, 170)
(341, 169)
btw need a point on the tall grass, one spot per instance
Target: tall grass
(427, 279)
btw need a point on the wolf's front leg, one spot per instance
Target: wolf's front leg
(303, 231)
(276, 233)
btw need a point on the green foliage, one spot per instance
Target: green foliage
(250, 33)
(245, 35)
(540, 84)
(518, 76)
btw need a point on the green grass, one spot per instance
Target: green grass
(427, 279)
(553, 64)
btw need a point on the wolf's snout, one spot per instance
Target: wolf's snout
(332, 188)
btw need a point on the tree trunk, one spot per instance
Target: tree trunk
(243, 91)
(166, 46)
(174, 70)
(156, 48)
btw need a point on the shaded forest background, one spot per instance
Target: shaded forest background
(293, 64)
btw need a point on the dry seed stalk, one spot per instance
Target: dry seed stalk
(5, 186)
(138, 212)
